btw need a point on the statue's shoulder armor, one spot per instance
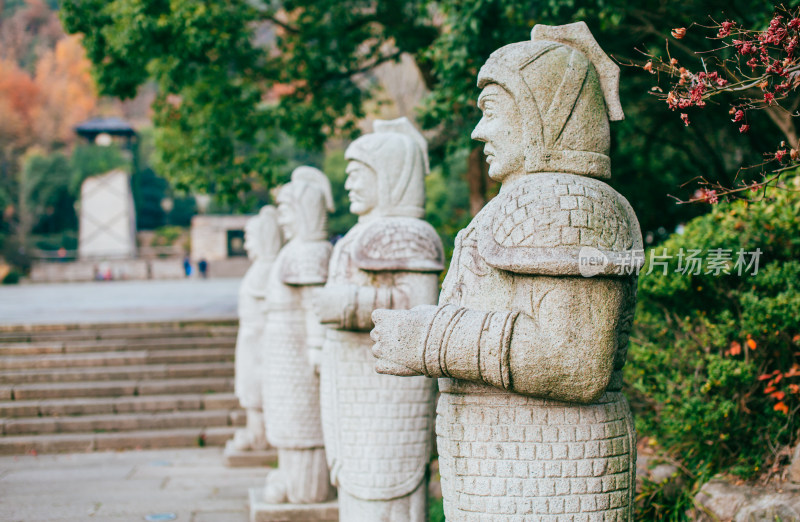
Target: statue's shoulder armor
(306, 263)
(549, 224)
(399, 243)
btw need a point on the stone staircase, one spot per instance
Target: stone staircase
(76, 388)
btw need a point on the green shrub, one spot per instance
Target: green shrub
(166, 236)
(435, 510)
(713, 372)
(12, 277)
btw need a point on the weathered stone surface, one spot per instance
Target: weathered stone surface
(249, 458)
(107, 217)
(718, 499)
(794, 467)
(261, 511)
(378, 428)
(291, 333)
(531, 421)
(669, 476)
(262, 241)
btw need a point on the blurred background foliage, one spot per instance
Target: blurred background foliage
(243, 91)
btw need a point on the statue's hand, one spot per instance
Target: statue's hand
(397, 335)
(329, 302)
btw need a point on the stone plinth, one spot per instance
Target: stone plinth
(107, 217)
(261, 511)
(248, 459)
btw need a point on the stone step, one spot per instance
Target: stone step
(118, 333)
(116, 422)
(102, 359)
(131, 326)
(115, 388)
(112, 373)
(108, 405)
(83, 442)
(114, 345)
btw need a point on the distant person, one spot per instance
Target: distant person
(202, 267)
(187, 266)
(62, 254)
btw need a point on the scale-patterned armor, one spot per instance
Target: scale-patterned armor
(378, 428)
(291, 389)
(505, 456)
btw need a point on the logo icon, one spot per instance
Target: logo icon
(591, 261)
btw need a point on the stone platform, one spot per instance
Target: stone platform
(192, 484)
(261, 511)
(248, 459)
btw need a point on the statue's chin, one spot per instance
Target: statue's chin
(360, 209)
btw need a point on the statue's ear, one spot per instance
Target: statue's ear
(578, 36)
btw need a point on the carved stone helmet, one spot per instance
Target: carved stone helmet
(262, 235)
(566, 89)
(398, 154)
(309, 195)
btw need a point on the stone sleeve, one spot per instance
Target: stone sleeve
(470, 345)
(362, 300)
(564, 350)
(315, 331)
(408, 290)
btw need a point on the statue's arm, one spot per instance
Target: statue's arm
(563, 350)
(315, 330)
(350, 306)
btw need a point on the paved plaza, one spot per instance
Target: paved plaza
(119, 301)
(191, 484)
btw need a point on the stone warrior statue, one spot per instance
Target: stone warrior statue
(531, 421)
(379, 428)
(291, 387)
(262, 240)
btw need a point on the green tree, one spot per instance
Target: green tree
(44, 193)
(232, 75)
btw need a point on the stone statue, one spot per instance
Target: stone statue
(532, 424)
(262, 241)
(291, 387)
(379, 428)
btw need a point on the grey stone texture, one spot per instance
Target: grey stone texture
(378, 428)
(107, 217)
(291, 333)
(125, 486)
(261, 511)
(531, 422)
(262, 242)
(718, 499)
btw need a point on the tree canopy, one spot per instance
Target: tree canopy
(235, 78)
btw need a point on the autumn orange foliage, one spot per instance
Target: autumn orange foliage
(67, 92)
(19, 96)
(43, 109)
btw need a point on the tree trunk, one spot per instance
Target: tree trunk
(785, 122)
(477, 179)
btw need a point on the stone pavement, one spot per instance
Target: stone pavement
(193, 484)
(119, 301)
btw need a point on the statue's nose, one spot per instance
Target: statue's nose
(477, 133)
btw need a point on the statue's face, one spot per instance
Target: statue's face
(500, 129)
(287, 218)
(362, 188)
